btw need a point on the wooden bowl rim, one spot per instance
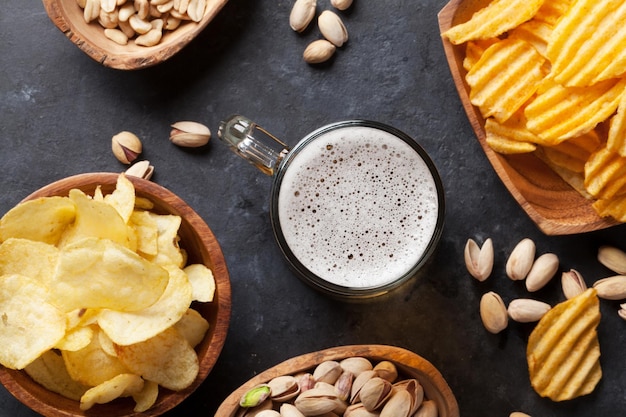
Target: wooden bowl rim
(435, 386)
(560, 221)
(209, 349)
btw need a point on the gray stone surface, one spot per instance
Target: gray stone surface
(59, 109)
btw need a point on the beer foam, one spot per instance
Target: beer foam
(358, 207)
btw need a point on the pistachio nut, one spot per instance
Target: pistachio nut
(375, 392)
(479, 260)
(386, 370)
(305, 381)
(255, 396)
(268, 413)
(572, 283)
(318, 51)
(415, 390)
(613, 258)
(398, 405)
(327, 371)
(126, 147)
(358, 383)
(341, 4)
(521, 260)
(611, 288)
(356, 365)
(289, 410)
(358, 410)
(302, 14)
(343, 385)
(518, 414)
(622, 311)
(332, 28)
(141, 169)
(427, 409)
(190, 134)
(318, 401)
(542, 271)
(493, 312)
(283, 388)
(526, 310)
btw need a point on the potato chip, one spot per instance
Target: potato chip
(563, 350)
(166, 359)
(123, 385)
(505, 77)
(587, 45)
(30, 324)
(122, 198)
(146, 398)
(202, 282)
(614, 207)
(192, 326)
(30, 258)
(75, 339)
(49, 371)
(552, 10)
(572, 154)
(168, 250)
(146, 231)
(43, 219)
(99, 273)
(560, 113)
(492, 21)
(605, 174)
(91, 365)
(616, 141)
(126, 328)
(510, 137)
(475, 49)
(535, 32)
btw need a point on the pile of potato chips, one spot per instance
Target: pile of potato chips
(95, 297)
(549, 77)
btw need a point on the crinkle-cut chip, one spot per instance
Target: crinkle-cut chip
(167, 359)
(605, 174)
(127, 328)
(617, 131)
(146, 231)
(124, 385)
(510, 137)
(75, 339)
(91, 365)
(192, 326)
(146, 398)
(169, 253)
(505, 77)
(123, 197)
(30, 258)
(552, 11)
(587, 45)
(48, 370)
(475, 49)
(493, 20)
(572, 154)
(99, 273)
(29, 324)
(94, 219)
(43, 219)
(563, 351)
(559, 113)
(202, 282)
(614, 208)
(535, 32)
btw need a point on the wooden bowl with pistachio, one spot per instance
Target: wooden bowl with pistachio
(356, 380)
(134, 34)
(187, 320)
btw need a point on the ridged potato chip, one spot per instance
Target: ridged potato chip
(616, 141)
(552, 10)
(614, 207)
(475, 49)
(605, 174)
(563, 351)
(572, 154)
(510, 137)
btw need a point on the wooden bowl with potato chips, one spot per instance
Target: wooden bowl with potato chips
(565, 186)
(129, 299)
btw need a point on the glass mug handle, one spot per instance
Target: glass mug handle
(253, 143)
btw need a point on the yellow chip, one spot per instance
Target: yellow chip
(49, 371)
(475, 49)
(510, 137)
(24, 305)
(605, 174)
(588, 43)
(552, 10)
(492, 21)
(147, 232)
(75, 339)
(123, 197)
(202, 282)
(572, 154)
(166, 359)
(192, 326)
(535, 32)
(30, 258)
(169, 253)
(124, 385)
(617, 131)
(563, 350)
(99, 273)
(126, 328)
(559, 113)
(43, 219)
(505, 77)
(614, 207)
(146, 398)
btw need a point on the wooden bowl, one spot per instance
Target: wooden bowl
(554, 206)
(201, 246)
(89, 37)
(409, 364)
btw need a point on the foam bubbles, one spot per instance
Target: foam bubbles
(358, 207)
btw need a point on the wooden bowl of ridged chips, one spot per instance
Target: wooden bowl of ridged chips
(408, 364)
(551, 203)
(197, 239)
(68, 17)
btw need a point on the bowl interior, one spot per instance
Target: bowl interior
(550, 202)
(408, 364)
(89, 37)
(202, 247)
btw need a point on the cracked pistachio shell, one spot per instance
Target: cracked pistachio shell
(386, 370)
(126, 147)
(427, 409)
(190, 134)
(255, 396)
(289, 410)
(398, 405)
(317, 401)
(572, 283)
(283, 388)
(415, 390)
(356, 365)
(343, 385)
(141, 169)
(493, 312)
(332, 28)
(479, 260)
(358, 383)
(358, 410)
(327, 371)
(375, 393)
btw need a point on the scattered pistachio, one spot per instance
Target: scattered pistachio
(479, 261)
(302, 14)
(427, 409)
(341, 4)
(613, 258)
(526, 310)
(493, 312)
(622, 311)
(542, 271)
(611, 288)
(572, 283)
(318, 51)
(141, 169)
(190, 134)
(126, 147)
(332, 28)
(521, 260)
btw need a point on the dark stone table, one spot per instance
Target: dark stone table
(59, 110)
